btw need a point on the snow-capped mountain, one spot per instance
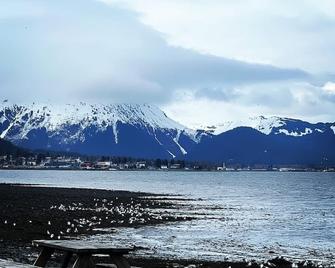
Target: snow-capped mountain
(273, 125)
(271, 140)
(145, 131)
(116, 129)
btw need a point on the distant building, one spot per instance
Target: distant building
(103, 165)
(87, 165)
(175, 166)
(141, 165)
(221, 168)
(31, 162)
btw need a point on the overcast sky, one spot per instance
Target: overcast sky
(202, 61)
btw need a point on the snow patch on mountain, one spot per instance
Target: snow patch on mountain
(115, 132)
(173, 156)
(176, 140)
(4, 133)
(260, 123)
(333, 128)
(158, 141)
(297, 134)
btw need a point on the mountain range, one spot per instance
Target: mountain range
(144, 131)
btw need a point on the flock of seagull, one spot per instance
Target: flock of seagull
(104, 214)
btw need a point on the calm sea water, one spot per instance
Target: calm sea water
(239, 214)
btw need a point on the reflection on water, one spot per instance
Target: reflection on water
(239, 214)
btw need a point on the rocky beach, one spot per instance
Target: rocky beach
(30, 212)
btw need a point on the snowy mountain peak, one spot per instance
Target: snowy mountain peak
(76, 127)
(273, 125)
(260, 123)
(55, 116)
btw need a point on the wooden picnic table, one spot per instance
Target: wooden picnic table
(82, 250)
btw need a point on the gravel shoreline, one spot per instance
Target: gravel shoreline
(31, 212)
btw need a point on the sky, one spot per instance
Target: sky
(202, 61)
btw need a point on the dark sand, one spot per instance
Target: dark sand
(31, 212)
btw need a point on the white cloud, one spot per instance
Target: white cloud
(329, 88)
(290, 34)
(300, 100)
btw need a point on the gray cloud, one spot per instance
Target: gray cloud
(64, 50)
(86, 50)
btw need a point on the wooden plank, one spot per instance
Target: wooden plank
(110, 265)
(79, 246)
(11, 264)
(105, 265)
(44, 257)
(84, 261)
(67, 258)
(120, 261)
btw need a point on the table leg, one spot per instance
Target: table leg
(67, 258)
(44, 256)
(120, 261)
(84, 261)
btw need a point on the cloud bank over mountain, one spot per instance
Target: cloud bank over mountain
(111, 51)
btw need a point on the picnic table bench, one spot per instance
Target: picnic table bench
(82, 251)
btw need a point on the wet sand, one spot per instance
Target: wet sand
(29, 212)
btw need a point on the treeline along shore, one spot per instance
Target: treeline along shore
(13, 157)
(71, 162)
